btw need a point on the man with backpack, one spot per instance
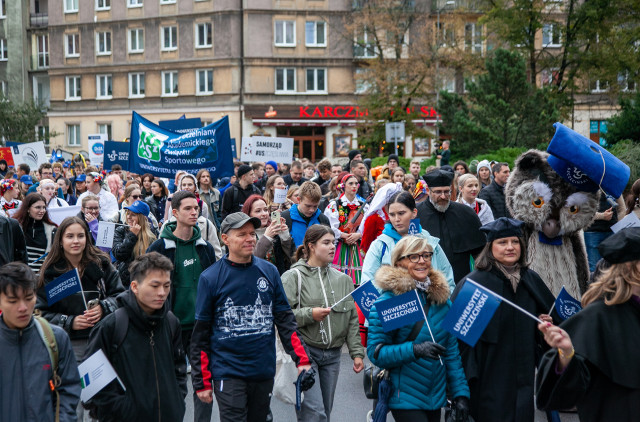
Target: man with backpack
(39, 376)
(235, 196)
(143, 341)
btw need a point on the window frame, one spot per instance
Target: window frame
(210, 35)
(316, 89)
(175, 84)
(475, 44)
(74, 10)
(365, 45)
(548, 30)
(284, 42)
(107, 37)
(103, 8)
(4, 90)
(140, 37)
(108, 127)
(167, 2)
(315, 44)
(285, 80)
(206, 92)
(4, 50)
(108, 77)
(162, 37)
(75, 35)
(77, 86)
(3, 9)
(140, 76)
(77, 135)
(44, 55)
(138, 3)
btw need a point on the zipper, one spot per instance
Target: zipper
(155, 368)
(326, 301)
(21, 370)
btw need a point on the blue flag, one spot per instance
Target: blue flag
(414, 227)
(471, 312)
(365, 296)
(400, 310)
(566, 305)
(116, 153)
(63, 286)
(163, 152)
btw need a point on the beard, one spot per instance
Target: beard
(438, 207)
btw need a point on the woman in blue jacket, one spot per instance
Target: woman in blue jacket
(425, 369)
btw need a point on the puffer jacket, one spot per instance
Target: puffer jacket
(494, 196)
(322, 287)
(418, 383)
(379, 254)
(124, 242)
(26, 370)
(98, 282)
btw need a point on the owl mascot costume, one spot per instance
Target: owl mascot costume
(556, 194)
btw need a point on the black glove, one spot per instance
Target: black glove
(461, 409)
(428, 349)
(305, 381)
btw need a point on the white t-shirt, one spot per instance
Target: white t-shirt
(108, 203)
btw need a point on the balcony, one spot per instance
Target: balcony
(457, 5)
(39, 20)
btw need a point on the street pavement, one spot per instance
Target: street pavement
(350, 404)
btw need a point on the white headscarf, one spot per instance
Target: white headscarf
(380, 200)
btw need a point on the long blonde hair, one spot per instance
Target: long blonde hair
(145, 237)
(614, 284)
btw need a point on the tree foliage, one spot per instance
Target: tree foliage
(501, 109)
(625, 124)
(18, 121)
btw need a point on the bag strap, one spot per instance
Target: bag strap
(49, 340)
(122, 325)
(299, 285)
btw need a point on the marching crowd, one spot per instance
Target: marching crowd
(209, 276)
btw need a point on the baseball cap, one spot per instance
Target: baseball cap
(81, 177)
(237, 220)
(26, 179)
(138, 207)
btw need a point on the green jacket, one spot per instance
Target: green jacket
(323, 287)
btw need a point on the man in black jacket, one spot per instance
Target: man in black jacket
(494, 193)
(243, 188)
(294, 178)
(144, 344)
(12, 246)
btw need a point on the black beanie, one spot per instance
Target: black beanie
(243, 169)
(353, 153)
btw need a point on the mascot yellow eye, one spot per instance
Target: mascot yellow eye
(538, 202)
(573, 209)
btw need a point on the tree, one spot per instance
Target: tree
(18, 121)
(501, 110)
(625, 124)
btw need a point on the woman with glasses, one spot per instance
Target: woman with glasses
(402, 213)
(132, 194)
(423, 360)
(37, 227)
(500, 368)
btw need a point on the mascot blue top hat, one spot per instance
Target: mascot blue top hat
(584, 164)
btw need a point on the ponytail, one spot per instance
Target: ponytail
(313, 234)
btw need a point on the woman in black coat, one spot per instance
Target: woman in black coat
(500, 368)
(101, 284)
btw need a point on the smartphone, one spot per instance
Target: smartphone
(93, 302)
(275, 217)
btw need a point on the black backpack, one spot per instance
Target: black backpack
(122, 326)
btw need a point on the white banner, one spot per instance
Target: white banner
(631, 220)
(106, 231)
(60, 213)
(96, 148)
(32, 154)
(266, 148)
(280, 196)
(95, 373)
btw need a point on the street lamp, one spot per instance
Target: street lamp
(438, 10)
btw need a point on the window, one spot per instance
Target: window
(362, 84)
(136, 40)
(103, 43)
(203, 35)
(285, 34)
(597, 129)
(73, 88)
(170, 84)
(105, 128)
(285, 80)
(204, 80)
(3, 11)
(316, 80)
(73, 136)
(167, 1)
(42, 134)
(315, 34)
(72, 45)
(549, 77)
(169, 35)
(134, 3)
(3, 49)
(473, 37)
(599, 85)
(103, 4)
(103, 87)
(626, 82)
(364, 46)
(4, 89)
(446, 34)
(551, 36)
(71, 6)
(447, 81)
(136, 85)
(43, 51)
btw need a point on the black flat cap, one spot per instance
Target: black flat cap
(620, 247)
(438, 178)
(502, 227)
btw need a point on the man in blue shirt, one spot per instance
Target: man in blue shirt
(240, 301)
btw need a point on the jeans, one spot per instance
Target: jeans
(410, 415)
(201, 411)
(318, 400)
(591, 241)
(243, 401)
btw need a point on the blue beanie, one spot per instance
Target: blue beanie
(273, 164)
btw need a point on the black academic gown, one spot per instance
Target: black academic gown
(603, 378)
(458, 229)
(500, 368)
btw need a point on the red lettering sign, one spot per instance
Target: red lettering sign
(351, 112)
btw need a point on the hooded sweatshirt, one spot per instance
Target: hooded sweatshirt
(187, 270)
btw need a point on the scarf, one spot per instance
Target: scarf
(299, 224)
(423, 285)
(512, 272)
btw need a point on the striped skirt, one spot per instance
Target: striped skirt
(348, 260)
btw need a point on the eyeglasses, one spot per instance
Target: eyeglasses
(415, 257)
(136, 196)
(445, 193)
(92, 209)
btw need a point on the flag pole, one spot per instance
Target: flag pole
(352, 292)
(527, 313)
(84, 299)
(554, 302)
(427, 321)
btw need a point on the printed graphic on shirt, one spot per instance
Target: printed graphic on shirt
(248, 320)
(263, 285)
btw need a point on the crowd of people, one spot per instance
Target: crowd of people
(206, 275)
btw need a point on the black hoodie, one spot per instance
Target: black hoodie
(150, 362)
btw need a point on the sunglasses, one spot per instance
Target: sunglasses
(136, 196)
(415, 257)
